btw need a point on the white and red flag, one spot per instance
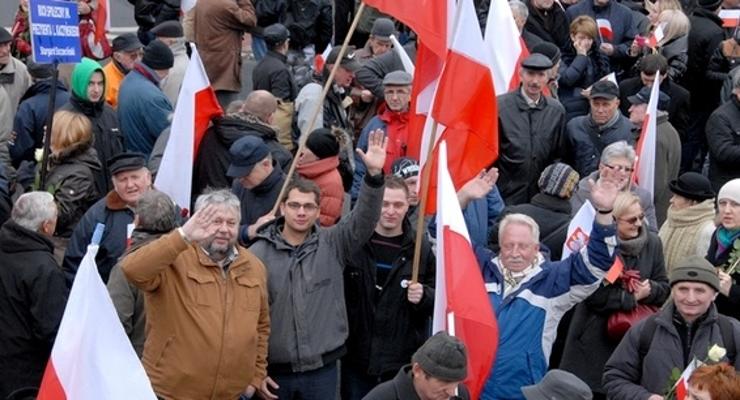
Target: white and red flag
(461, 304)
(464, 106)
(682, 385)
(644, 174)
(656, 36)
(196, 106)
(320, 60)
(579, 230)
(605, 29)
(92, 357)
(504, 45)
(730, 18)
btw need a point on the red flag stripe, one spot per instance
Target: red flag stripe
(51, 387)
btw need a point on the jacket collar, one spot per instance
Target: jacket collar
(114, 202)
(403, 383)
(275, 54)
(523, 102)
(274, 178)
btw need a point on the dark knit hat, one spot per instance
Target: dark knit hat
(126, 161)
(405, 167)
(443, 357)
(693, 186)
(126, 42)
(548, 50)
(382, 29)
(695, 269)
(709, 4)
(323, 143)
(558, 180)
(158, 55)
(168, 29)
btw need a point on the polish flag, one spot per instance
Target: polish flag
(196, 106)
(605, 29)
(461, 305)
(644, 174)
(408, 65)
(505, 46)
(92, 357)
(682, 385)
(730, 18)
(320, 59)
(465, 104)
(656, 37)
(579, 230)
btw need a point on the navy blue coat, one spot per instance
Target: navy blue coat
(586, 140)
(620, 18)
(31, 118)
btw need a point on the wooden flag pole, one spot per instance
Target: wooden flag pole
(324, 92)
(426, 173)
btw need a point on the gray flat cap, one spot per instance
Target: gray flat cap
(397, 78)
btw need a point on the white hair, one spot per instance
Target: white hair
(620, 149)
(519, 219)
(218, 197)
(32, 209)
(517, 7)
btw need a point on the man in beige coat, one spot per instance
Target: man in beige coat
(206, 300)
(218, 27)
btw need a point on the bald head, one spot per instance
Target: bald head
(261, 104)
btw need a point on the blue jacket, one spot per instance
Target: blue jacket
(578, 72)
(362, 141)
(529, 314)
(31, 118)
(143, 110)
(620, 17)
(586, 140)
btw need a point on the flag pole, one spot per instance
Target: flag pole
(426, 173)
(324, 92)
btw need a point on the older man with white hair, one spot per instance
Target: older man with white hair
(530, 294)
(33, 292)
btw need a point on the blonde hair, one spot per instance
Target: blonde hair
(584, 24)
(658, 6)
(69, 128)
(623, 202)
(676, 24)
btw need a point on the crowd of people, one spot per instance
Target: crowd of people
(297, 283)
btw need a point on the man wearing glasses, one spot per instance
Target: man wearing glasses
(305, 264)
(616, 166)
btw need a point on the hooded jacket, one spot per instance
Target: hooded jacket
(107, 137)
(31, 118)
(313, 335)
(72, 181)
(324, 173)
(32, 301)
(213, 157)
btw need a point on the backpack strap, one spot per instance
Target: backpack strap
(728, 337)
(646, 336)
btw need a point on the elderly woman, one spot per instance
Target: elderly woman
(581, 65)
(616, 165)
(688, 229)
(588, 345)
(74, 166)
(725, 240)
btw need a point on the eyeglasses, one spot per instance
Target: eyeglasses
(633, 220)
(308, 207)
(620, 168)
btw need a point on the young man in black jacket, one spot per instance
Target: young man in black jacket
(388, 315)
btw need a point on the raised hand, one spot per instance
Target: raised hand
(603, 194)
(374, 157)
(199, 226)
(478, 187)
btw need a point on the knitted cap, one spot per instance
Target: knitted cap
(558, 180)
(158, 55)
(404, 168)
(695, 269)
(323, 143)
(730, 190)
(443, 357)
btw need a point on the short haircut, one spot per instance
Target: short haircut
(519, 219)
(156, 212)
(584, 24)
(303, 186)
(260, 103)
(720, 380)
(395, 182)
(652, 63)
(32, 209)
(520, 8)
(218, 197)
(234, 107)
(623, 202)
(620, 149)
(69, 128)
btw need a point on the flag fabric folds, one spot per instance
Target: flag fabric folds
(644, 173)
(425, 17)
(196, 106)
(460, 296)
(504, 45)
(92, 357)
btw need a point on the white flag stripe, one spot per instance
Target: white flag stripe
(408, 65)
(579, 229)
(502, 44)
(92, 356)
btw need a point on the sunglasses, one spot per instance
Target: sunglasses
(633, 220)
